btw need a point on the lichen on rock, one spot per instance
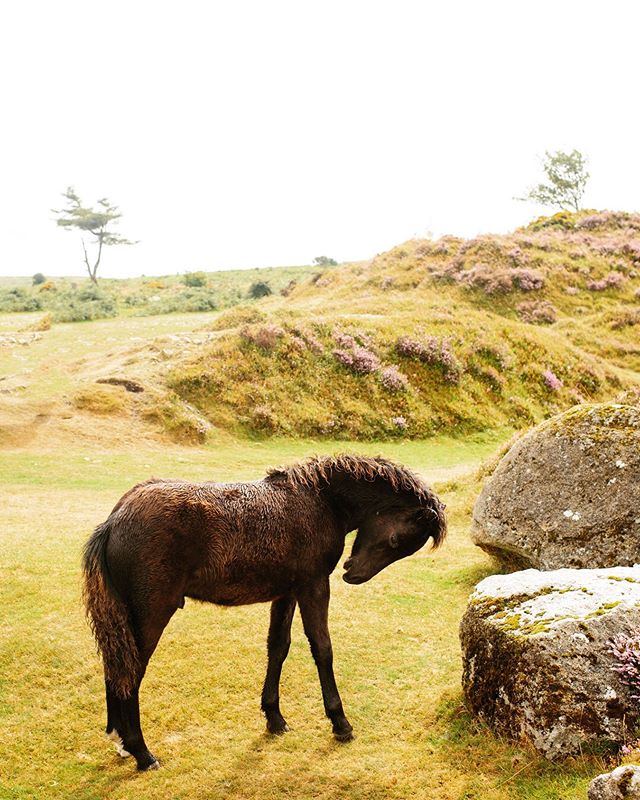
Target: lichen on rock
(536, 659)
(567, 494)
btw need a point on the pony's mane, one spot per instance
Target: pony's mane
(320, 471)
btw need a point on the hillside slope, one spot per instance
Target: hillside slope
(448, 335)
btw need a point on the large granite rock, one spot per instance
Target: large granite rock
(623, 783)
(567, 494)
(536, 658)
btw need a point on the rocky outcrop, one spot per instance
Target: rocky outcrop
(536, 659)
(622, 783)
(567, 494)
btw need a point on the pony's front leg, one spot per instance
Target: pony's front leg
(278, 642)
(314, 609)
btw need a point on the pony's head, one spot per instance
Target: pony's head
(395, 512)
(385, 536)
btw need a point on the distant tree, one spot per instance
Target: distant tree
(38, 278)
(566, 180)
(324, 261)
(98, 222)
(259, 289)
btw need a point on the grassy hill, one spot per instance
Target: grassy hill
(434, 336)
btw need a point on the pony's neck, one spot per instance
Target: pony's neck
(352, 498)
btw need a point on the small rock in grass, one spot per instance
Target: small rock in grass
(621, 783)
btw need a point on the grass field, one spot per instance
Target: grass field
(395, 640)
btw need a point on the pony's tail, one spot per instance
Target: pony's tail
(109, 617)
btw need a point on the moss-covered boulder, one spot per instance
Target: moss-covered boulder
(567, 494)
(536, 660)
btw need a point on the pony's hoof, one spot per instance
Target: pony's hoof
(278, 730)
(343, 736)
(148, 762)
(154, 765)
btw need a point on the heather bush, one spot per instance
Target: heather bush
(286, 290)
(393, 380)
(266, 337)
(496, 354)
(626, 651)
(537, 312)
(613, 280)
(528, 280)
(609, 220)
(433, 351)
(358, 360)
(343, 339)
(551, 381)
(400, 423)
(492, 279)
(311, 340)
(626, 319)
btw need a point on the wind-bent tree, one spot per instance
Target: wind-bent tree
(567, 177)
(98, 222)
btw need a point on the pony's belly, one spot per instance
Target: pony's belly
(238, 594)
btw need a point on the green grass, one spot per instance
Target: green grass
(395, 640)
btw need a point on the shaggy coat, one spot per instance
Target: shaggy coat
(274, 540)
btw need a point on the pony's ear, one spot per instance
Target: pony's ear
(394, 541)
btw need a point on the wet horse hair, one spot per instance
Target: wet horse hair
(273, 540)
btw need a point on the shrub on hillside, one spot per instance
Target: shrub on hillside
(551, 381)
(393, 380)
(83, 304)
(433, 351)
(358, 360)
(38, 278)
(613, 280)
(537, 312)
(265, 337)
(19, 300)
(259, 289)
(625, 319)
(195, 279)
(188, 300)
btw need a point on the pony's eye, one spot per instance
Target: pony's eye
(394, 541)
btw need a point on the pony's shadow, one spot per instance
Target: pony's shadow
(313, 765)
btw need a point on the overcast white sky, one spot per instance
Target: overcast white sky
(240, 134)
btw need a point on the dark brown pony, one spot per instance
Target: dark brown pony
(274, 540)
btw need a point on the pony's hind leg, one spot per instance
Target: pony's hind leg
(123, 713)
(278, 642)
